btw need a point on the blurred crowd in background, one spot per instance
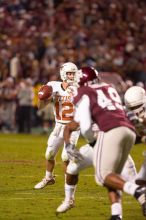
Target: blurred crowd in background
(36, 37)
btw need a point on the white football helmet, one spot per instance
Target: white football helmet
(135, 100)
(66, 68)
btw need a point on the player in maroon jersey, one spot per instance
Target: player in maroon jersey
(116, 135)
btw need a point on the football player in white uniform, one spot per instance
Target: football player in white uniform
(135, 102)
(62, 96)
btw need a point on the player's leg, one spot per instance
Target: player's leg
(73, 170)
(54, 142)
(69, 187)
(115, 201)
(107, 168)
(129, 174)
(116, 206)
(73, 140)
(119, 148)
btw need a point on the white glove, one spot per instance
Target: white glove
(72, 153)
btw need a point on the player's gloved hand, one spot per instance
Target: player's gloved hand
(72, 153)
(132, 116)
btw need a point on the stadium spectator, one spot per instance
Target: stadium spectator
(92, 34)
(8, 95)
(25, 98)
(47, 118)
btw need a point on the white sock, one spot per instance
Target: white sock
(48, 174)
(130, 188)
(116, 209)
(69, 192)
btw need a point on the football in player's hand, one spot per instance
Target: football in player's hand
(45, 92)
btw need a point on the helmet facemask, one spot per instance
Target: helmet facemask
(138, 110)
(71, 81)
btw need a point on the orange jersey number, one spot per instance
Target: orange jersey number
(64, 111)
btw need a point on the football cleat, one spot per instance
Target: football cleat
(65, 206)
(115, 217)
(44, 183)
(140, 182)
(140, 195)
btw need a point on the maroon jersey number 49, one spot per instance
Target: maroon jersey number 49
(105, 99)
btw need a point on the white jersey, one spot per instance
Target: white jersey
(63, 102)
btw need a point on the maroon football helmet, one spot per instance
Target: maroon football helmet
(87, 75)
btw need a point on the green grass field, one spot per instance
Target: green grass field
(22, 165)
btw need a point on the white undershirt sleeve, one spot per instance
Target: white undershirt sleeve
(82, 115)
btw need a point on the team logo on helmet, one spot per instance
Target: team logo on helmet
(87, 75)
